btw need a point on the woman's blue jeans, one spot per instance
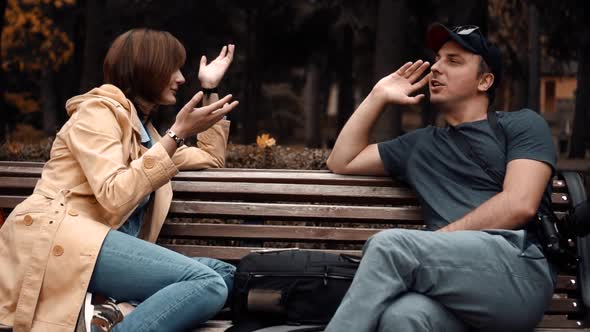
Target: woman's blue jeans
(175, 292)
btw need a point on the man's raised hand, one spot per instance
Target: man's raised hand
(397, 87)
(211, 74)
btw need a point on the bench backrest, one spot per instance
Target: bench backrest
(226, 213)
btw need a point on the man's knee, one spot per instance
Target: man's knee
(416, 312)
(392, 238)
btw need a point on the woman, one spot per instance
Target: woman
(104, 194)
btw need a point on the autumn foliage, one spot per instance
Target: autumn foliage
(31, 40)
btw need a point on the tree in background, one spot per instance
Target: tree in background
(508, 28)
(567, 38)
(289, 54)
(7, 111)
(34, 45)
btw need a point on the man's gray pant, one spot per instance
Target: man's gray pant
(412, 280)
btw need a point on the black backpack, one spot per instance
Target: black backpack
(292, 287)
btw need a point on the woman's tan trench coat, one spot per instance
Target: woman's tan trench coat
(97, 174)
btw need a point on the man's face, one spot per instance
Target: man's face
(454, 74)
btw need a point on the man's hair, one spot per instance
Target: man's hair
(141, 61)
(482, 69)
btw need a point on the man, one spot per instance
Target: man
(481, 266)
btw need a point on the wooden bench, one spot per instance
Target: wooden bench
(225, 213)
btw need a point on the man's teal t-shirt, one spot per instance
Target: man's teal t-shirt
(448, 183)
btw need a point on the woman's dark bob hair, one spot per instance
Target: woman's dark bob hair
(141, 61)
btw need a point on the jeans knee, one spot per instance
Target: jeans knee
(225, 268)
(218, 291)
(404, 321)
(417, 312)
(227, 272)
(387, 238)
(212, 283)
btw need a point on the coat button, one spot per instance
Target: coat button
(58, 250)
(148, 162)
(72, 212)
(28, 221)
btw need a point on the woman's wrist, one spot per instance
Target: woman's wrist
(209, 85)
(169, 145)
(178, 131)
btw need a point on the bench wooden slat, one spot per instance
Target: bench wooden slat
(231, 253)
(562, 199)
(21, 163)
(246, 175)
(241, 175)
(561, 325)
(555, 323)
(297, 211)
(290, 177)
(344, 213)
(286, 192)
(277, 170)
(9, 202)
(398, 215)
(13, 182)
(259, 232)
(296, 192)
(565, 306)
(20, 171)
(566, 283)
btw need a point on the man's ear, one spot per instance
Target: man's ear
(485, 82)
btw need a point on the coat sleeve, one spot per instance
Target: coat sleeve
(210, 151)
(95, 139)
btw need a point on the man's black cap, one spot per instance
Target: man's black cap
(471, 39)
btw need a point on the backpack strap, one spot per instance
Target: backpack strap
(463, 145)
(493, 121)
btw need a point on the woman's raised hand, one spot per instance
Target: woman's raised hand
(193, 120)
(397, 87)
(211, 74)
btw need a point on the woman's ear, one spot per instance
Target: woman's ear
(485, 82)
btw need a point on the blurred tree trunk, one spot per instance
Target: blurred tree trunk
(48, 101)
(345, 81)
(534, 54)
(94, 45)
(249, 113)
(69, 75)
(47, 91)
(312, 99)
(390, 53)
(580, 135)
(519, 93)
(4, 124)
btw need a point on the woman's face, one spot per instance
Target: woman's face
(168, 96)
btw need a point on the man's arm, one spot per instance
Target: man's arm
(524, 185)
(352, 153)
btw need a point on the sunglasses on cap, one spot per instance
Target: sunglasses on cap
(465, 29)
